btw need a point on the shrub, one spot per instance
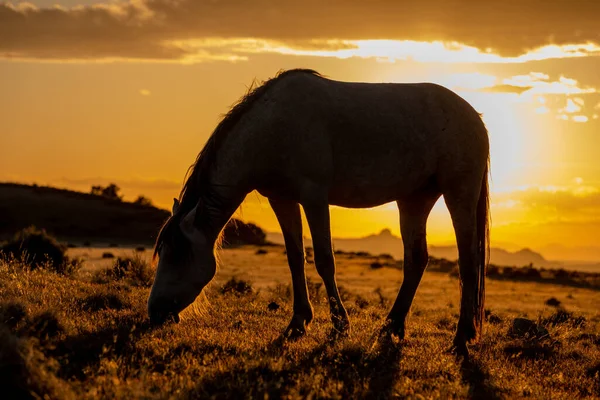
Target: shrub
(45, 326)
(237, 286)
(135, 270)
(238, 233)
(143, 201)
(12, 313)
(102, 301)
(562, 316)
(37, 249)
(108, 255)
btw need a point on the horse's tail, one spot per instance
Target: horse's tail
(483, 243)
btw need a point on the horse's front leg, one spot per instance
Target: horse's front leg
(317, 216)
(290, 220)
(413, 222)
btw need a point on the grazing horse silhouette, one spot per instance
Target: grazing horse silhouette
(302, 139)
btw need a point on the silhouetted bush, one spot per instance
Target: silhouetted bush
(236, 286)
(530, 272)
(143, 201)
(493, 270)
(562, 316)
(12, 313)
(135, 270)
(238, 233)
(376, 265)
(561, 274)
(110, 192)
(37, 249)
(45, 326)
(108, 255)
(442, 264)
(102, 301)
(261, 251)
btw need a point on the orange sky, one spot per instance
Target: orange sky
(128, 92)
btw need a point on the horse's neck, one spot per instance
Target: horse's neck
(216, 208)
(226, 188)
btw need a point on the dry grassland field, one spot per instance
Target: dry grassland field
(88, 336)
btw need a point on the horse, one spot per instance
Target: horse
(301, 139)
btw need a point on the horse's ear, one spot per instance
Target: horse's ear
(175, 206)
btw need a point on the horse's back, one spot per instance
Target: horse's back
(372, 143)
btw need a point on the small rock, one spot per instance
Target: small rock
(553, 301)
(273, 306)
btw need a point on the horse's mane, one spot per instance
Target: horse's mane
(196, 182)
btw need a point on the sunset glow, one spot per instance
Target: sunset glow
(134, 95)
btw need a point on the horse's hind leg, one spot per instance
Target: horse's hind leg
(413, 220)
(462, 205)
(317, 216)
(290, 220)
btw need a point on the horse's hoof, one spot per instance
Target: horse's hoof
(341, 326)
(459, 350)
(294, 330)
(393, 329)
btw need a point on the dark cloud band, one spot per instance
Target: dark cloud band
(146, 29)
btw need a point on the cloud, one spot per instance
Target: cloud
(163, 29)
(580, 118)
(536, 86)
(506, 88)
(571, 107)
(574, 203)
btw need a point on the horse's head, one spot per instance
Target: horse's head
(186, 264)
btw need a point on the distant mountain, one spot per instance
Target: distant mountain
(386, 242)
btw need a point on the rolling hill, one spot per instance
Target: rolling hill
(76, 216)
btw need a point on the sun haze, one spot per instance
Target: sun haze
(129, 91)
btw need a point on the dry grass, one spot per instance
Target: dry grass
(65, 337)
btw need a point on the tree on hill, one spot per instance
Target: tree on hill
(110, 192)
(143, 201)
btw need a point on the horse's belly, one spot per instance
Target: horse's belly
(363, 191)
(376, 177)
